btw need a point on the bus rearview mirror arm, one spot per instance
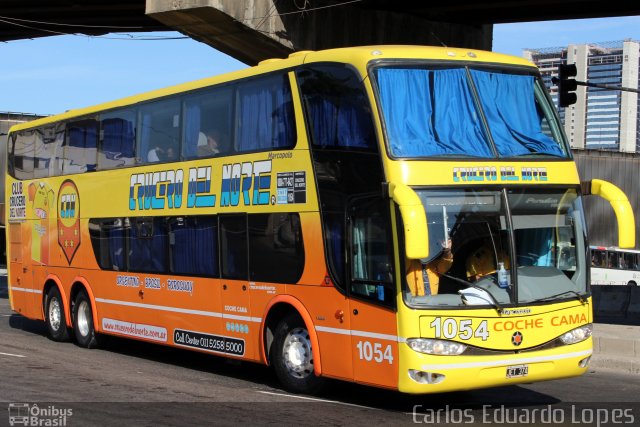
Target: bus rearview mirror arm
(414, 218)
(621, 206)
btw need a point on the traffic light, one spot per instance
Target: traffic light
(566, 85)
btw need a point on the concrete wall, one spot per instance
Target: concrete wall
(254, 30)
(621, 169)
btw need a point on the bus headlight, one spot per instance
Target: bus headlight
(439, 347)
(577, 335)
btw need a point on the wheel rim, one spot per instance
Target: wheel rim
(297, 355)
(55, 314)
(84, 314)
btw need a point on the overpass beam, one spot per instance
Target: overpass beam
(253, 30)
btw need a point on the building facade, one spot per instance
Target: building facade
(601, 119)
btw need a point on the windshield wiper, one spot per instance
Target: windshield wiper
(496, 305)
(577, 295)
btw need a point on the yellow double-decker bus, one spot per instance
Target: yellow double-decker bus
(404, 217)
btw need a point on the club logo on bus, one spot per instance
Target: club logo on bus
(247, 182)
(68, 219)
(504, 173)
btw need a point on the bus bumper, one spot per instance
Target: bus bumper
(422, 373)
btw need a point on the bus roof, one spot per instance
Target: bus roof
(357, 56)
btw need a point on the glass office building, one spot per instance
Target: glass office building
(604, 119)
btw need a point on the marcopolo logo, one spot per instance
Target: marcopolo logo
(25, 414)
(516, 338)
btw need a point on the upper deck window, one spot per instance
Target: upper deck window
(460, 112)
(337, 108)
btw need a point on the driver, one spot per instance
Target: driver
(482, 262)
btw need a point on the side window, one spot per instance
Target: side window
(159, 131)
(371, 260)
(629, 261)
(108, 238)
(208, 118)
(276, 250)
(47, 152)
(612, 259)
(42, 154)
(21, 156)
(193, 245)
(265, 114)
(148, 245)
(117, 139)
(598, 258)
(337, 109)
(233, 247)
(80, 148)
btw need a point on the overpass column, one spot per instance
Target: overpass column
(253, 30)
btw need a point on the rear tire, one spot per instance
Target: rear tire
(54, 316)
(83, 328)
(292, 357)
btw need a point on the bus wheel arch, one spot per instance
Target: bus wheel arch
(632, 283)
(289, 325)
(84, 315)
(55, 311)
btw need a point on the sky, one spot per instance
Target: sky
(53, 74)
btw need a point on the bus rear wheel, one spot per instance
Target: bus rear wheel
(54, 316)
(292, 357)
(83, 328)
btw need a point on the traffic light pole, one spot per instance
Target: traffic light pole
(601, 86)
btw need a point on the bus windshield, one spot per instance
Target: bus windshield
(462, 112)
(541, 229)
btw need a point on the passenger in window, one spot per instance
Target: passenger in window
(212, 146)
(171, 155)
(424, 277)
(154, 154)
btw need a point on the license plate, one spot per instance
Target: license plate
(517, 371)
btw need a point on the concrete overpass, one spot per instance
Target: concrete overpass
(252, 30)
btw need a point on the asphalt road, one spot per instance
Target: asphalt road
(133, 383)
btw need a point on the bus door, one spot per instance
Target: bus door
(234, 273)
(20, 270)
(372, 294)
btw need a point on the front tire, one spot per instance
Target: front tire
(54, 316)
(292, 357)
(83, 328)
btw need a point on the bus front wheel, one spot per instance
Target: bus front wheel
(83, 321)
(54, 316)
(292, 356)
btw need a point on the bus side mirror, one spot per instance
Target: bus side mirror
(414, 218)
(621, 207)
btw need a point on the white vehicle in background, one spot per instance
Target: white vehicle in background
(614, 266)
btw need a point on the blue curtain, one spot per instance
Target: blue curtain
(334, 230)
(340, 122)
(192, 130)
(148, 254)
(76, 137)
(266, 117)
(195, 247)
(430, 113)
(533, 246)
(509, 104)
(119, 138)
(145, 137)
(117, 248)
